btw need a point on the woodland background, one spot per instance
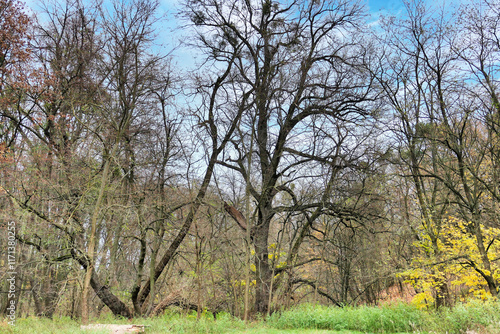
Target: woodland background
(312, 155)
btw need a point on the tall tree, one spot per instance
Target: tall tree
(306, 78)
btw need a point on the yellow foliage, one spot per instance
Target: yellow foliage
(281, 264)
(244, 282)
(451, 262)
(423, 300)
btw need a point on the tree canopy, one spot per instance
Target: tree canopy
(312, 155)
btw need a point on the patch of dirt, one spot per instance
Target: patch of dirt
(116, 329)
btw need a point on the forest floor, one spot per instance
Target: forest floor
(471, 318)
(45, 326)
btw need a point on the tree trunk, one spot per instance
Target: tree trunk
(263, 271)
(104, 293)
(107, 297)
(492, 285)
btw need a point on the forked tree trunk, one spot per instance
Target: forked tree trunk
(104, 293)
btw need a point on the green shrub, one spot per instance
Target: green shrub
(387, 319)
(483, 317)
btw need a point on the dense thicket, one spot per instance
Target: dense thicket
(314, 154)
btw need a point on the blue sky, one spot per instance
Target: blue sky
(168, 38)
(386, 5)
(375, 7)
(184, 57)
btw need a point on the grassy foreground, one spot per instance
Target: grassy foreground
(480, 317)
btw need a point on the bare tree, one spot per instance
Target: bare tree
(306, 70)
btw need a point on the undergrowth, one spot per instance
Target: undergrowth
(481, 317)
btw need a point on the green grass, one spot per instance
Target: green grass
(45, 326)
(483, 317)
(389, 319)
